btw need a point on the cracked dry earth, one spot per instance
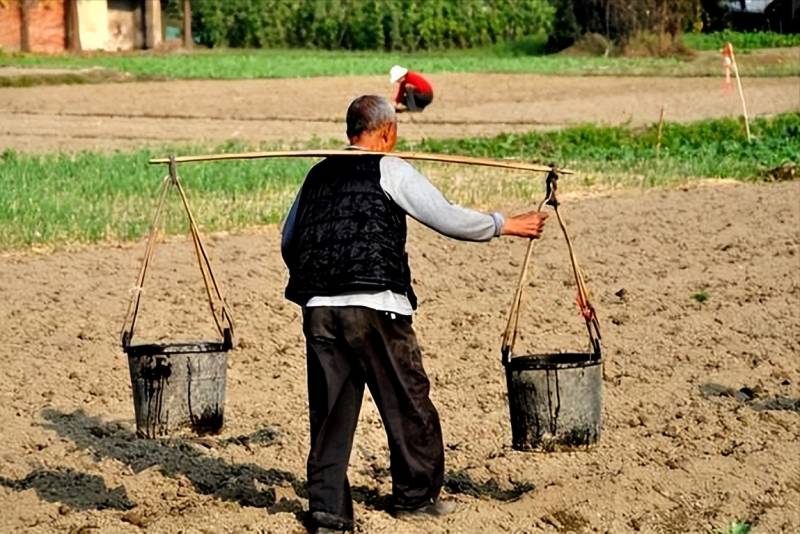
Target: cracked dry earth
(114, 116)
(701, 403)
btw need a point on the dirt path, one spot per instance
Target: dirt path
(111, 116)
(677, 454)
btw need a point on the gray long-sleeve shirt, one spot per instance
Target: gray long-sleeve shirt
(420, 199)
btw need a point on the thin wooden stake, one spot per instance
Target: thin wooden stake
(660, 128)
(741, 93)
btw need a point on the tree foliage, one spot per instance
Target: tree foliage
(622, 20)
(367, 24)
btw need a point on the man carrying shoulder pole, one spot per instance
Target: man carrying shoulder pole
(344, 243)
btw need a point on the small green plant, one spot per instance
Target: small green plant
(700, 296)
(737, 527)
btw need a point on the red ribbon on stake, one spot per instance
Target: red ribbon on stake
(727, 62)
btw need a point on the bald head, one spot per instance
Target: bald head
(369, 113)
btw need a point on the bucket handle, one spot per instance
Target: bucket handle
(216, 302)
(584, 304)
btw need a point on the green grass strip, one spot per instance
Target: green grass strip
(713, 149)
(507, 58)
(59, 198)
(250, 63)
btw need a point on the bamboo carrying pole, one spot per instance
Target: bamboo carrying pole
(423, 156)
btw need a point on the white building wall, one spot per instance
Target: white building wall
(93, 24)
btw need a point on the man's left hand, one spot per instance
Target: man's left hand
(525, 225)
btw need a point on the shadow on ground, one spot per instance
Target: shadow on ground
(246, 484)
(77, 490)
(459, 482)
(455, 483)
(751, 398)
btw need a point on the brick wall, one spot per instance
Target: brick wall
(9, 25)
(47, 30)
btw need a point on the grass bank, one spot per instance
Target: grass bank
(56, 199)
(710, 149)
(521, 57)
(30, 77)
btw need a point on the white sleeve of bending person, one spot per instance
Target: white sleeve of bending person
(419, 198)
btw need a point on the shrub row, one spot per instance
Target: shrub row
(367, 24)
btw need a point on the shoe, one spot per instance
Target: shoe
(436, 508)
(340, 526)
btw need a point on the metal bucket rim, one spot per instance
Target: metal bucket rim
(553, 360)
(188, 347)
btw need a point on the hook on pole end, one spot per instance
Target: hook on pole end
(551, 182)
(173, 169)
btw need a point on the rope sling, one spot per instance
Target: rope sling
(220, 311)
(584, 304)
(216, 303)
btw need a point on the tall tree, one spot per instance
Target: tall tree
(566, 29)
(620, 20)
(25, 8)
(187, 24)
(73, 30)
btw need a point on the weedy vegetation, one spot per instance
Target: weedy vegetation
(91, 196)
(741, 41)
(712, 148)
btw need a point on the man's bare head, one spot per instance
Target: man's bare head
(372, 123)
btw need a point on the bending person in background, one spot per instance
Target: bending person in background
(344, 241)
(412, 91)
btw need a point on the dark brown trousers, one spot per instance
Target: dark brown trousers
(417, 101)
(348, 347)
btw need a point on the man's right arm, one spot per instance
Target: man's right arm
(418, 197)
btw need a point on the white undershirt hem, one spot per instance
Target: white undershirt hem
(387, 301)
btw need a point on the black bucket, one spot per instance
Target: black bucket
(555, 400)
(178, 386)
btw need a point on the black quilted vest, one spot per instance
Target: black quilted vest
(348, 235)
